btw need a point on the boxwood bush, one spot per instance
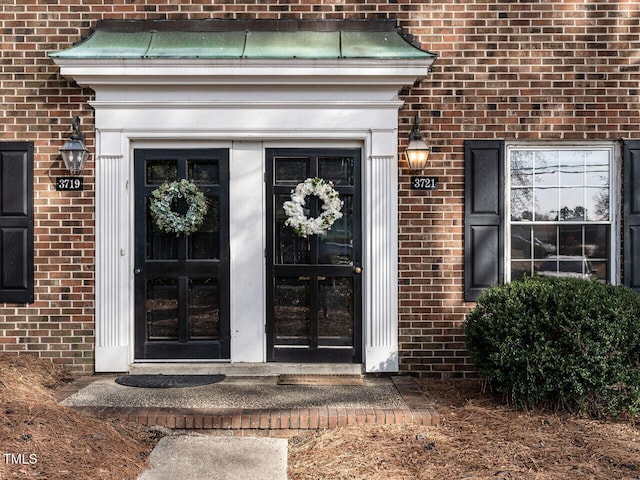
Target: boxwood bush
(567, 343)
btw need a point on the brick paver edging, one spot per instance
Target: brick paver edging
(417, 411)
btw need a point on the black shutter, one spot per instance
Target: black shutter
(631, 194)
(16, 222)
(483, 215)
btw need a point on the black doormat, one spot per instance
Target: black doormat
(168, 381)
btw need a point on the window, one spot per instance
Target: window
(559, 206)
(551, 210)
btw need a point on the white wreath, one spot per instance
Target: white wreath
(331, 206)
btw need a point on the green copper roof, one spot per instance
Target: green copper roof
(244, 39)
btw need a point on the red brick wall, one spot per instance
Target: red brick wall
(516, 70)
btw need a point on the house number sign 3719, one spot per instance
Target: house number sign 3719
(424, 183)
(66, 184)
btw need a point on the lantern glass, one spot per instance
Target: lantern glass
(417, 154)
(74, 155)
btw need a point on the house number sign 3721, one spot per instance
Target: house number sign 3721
(424, 183)
(66, 184)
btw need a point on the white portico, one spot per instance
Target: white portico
(246, 88)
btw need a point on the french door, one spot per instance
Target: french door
(314, 304)
(182, 281)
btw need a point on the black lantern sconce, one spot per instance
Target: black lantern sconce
(73, 152)
(417, 151)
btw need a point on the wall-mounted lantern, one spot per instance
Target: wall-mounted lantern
(417, 151)
(73, 152)
(417, 154)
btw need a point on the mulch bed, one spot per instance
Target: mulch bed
(40, 439)
(479, 437)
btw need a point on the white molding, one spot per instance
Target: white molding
(112, 286)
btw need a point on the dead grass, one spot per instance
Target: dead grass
(478, 438)
(40, 439)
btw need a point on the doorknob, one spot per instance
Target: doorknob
(357, 270)
(137, 271)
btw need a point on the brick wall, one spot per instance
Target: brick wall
(516, 70)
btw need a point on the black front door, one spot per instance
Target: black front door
(314, 283)
(182, 281)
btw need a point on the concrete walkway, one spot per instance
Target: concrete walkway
(247, 407)
(204, 457)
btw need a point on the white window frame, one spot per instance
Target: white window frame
(615, 156)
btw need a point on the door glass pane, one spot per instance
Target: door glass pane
(336, 246)
(204, 309)
(338, 170)
(203, 171)
(205, 243)
(291, 310)
(289, 248)
(162, 309)
(160, 245)
(335, 312)
(291, 170)
(161, 171)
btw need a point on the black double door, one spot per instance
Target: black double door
(182, 281)
(314, 283)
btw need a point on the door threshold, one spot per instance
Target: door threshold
(245, 369)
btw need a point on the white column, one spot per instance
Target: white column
(112, 288)
(381, 254)
(246, 237)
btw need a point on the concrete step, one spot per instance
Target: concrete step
(245, 369)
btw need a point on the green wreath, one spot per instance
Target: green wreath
(166, 219)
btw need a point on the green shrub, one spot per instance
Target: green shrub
(562, 342)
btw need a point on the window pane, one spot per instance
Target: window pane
(520, 269)
(571, 168)
(570, 239)
(572, 204)
(599, 270)
(597, 204)
(596, 239)
(520, 241)
(544, 241)
(522, 168)
(522, 204)
(546, 204)
(546, 170)
(597, 168)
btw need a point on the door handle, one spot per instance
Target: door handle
(137, 271)
(357, 270)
